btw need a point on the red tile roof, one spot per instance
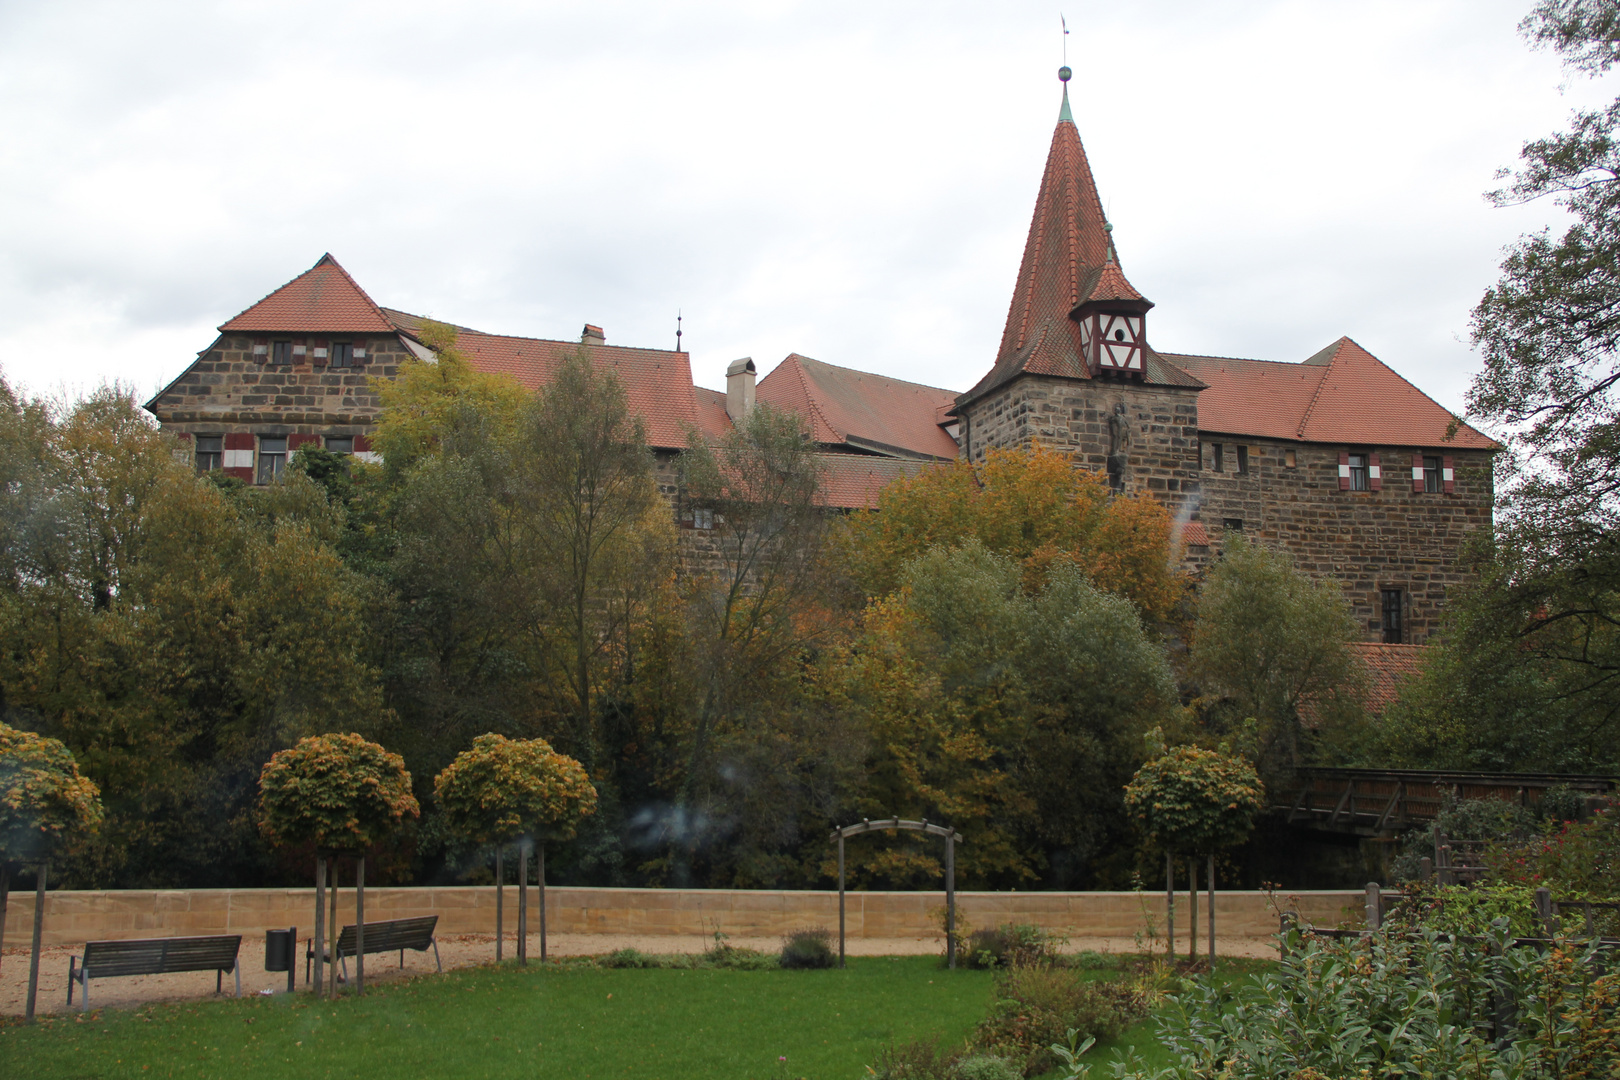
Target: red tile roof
(323, 299)
(1343, 394)
(657, 383)
(1388, 669)
(1193, 534)
(712, 418)
(859, 409)
(852, 481)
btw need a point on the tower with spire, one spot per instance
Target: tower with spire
(1074, 356)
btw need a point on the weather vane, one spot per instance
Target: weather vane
(677, 329)
(1063, 72)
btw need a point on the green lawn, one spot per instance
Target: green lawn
(573, 1022)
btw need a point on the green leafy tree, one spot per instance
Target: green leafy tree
(1268, 642)
(341, 793)
(501, 789)
(1191, 800)
(45, 803)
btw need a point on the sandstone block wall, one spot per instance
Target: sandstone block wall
(74, 917)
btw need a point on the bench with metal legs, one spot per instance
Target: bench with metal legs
(155, 956)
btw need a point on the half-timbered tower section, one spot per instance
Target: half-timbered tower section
(1339, 460)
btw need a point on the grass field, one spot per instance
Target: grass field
(582, 1023)
(565, 1021)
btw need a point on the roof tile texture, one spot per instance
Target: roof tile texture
(856, 407)
(323, 299)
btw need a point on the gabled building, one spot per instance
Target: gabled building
(1336, 458)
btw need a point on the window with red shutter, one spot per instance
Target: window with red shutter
(1417, 472)
(1448, 474)
(1344, 470)
(1375, 473)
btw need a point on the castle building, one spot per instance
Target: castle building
(1336, 458)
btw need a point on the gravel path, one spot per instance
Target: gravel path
(468, 950)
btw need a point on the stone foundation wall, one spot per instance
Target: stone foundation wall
(72, 917)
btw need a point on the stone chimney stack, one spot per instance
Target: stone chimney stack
(740, 389)
(592, 335)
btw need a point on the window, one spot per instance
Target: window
(1232, 524)
(702, 519)
(342, 354)
(1290, 460)
(272, 457)
(1358, 472)
(1243, 460)
(340, 444)
(1431, 475)
(1392, 616)
(281, 352)
(1220, 458)
(210, 454)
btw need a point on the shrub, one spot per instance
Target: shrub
(1462, 819)
(808, 949)
(1036, 1005)
(627, 958)
(984, 1067)
(919, 1059)
(339, 792)
(1010, 945)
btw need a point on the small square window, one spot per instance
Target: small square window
(340, 444)
(342, 354)
(210, 453)
(272, 457)
(1232, 524)
(1243, 460)
(1391, 604)
(1358, 473)
(702, 519)
(1220, 458)
(281, 352)
(1431, 475)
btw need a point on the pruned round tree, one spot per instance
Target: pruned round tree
(1193, 801)
(341, 793)
(499, 790)
(44, 804)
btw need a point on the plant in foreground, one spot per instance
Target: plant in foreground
(808, 949)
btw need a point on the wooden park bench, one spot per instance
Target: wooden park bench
(393, 934)
(155, 956)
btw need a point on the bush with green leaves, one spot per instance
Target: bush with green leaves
(44, 802)
(1463, 819)
(1037, 1005)
(1399, 1005)
(984, 1067)
(808, 949)
(1193, 801)
(500, 789)
(1010, 945)
(918, 1059)
(340, 793)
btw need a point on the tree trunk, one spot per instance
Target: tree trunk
(317, 943)
(39, 929)
(5, 892)
(540, 871)
(1170, 905)
(1211, 876)
(360, 925)
(500, 923)
(332, 928)
(1192, 908)
(523, 904)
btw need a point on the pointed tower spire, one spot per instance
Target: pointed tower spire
(1064, 115)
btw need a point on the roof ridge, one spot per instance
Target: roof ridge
(810, 398)
(1305, 417)
(311, 298)
(350, 279)
(872, 374)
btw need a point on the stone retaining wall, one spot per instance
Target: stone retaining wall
(73, 917)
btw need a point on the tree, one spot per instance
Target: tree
(1195, 801)
(1549, 334)
(1017, 719)
(1033, 506)
(1267, 641)
(500, 790)
(339, 793)
(44, 803)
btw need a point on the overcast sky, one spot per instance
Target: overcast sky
(850, 181)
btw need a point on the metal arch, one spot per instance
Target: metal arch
(951, 838)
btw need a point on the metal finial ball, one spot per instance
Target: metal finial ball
(1064, 73)
(1108, 226)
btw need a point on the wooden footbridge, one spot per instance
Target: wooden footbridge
(1386, 802)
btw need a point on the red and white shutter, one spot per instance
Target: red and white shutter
(182, 452)
(1344, 470)
(1447, 474)
(322, 352)
(1375, 474)
(363, 450)
(238, 457)
(261, 350)
(1417, 472)
(359, 350)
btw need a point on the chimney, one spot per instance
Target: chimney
(740, 389)
(592, 335)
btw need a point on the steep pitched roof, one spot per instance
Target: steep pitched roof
(657, 383)
(1389, 667)
(323, 299)
(1342, 394)
(852, 481)
(1068, 259)
(861, 410)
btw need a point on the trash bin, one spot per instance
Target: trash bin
(279, 949)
